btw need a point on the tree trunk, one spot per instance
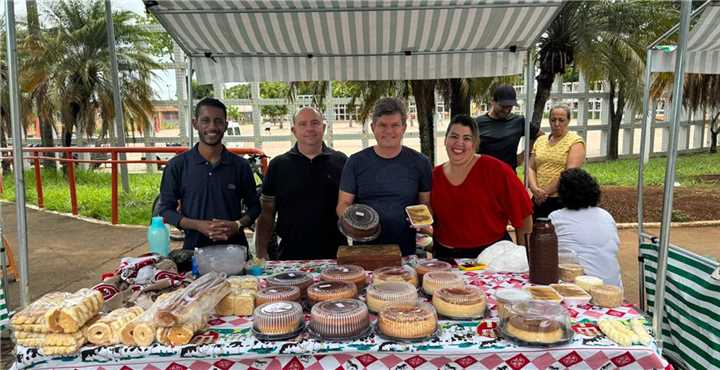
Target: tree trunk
(4, 144)
(616, 115)
(714, 131)
(459, 98)
(542, 94)
(424, 93)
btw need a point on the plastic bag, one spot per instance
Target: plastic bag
(229, 259)
(504, 256)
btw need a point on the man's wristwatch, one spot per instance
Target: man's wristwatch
(239, 224)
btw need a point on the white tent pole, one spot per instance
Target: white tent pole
(677, 97)
(188, 75)
(647, 119)
(529, 88)
(17, 152)
(117, 99)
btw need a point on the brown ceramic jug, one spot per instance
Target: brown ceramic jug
(542, 252)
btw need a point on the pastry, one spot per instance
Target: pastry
(360, 222)
(586, 282)
(408, 321)
(395, 273)
(243, 282)
(75, 311)
(277, 294)
(339, 318)
(425, 266)
(544, 293)
(239, 302)
(506, 297)
(299, 279)
(106, 330)
(441, 279)
(352, 273)
(466, 302)
(198, 298)
(569, 271)
(32, 318)
(278, 318)
(382, 295)
(571, 294)
(608, 296)
(419, 215)
(328, 290)
(537, 322)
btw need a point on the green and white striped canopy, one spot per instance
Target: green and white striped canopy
(703, 50)
(293, 40)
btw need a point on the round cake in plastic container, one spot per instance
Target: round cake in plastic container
(381, 295)
(569, 271)
(278, 318)
(441, 279)
(340, 319)
(408, 321)
(537, 322)
(328, 290)
(299, 279)
(425, 266)
(467, 302)
(609, 296)
(360, 222)
(277, 294)
(395, 273)
(587, 282)
(506, 297)
(351, 273)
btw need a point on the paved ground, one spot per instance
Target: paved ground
(67, 253)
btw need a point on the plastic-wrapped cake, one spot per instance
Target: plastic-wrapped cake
(608, 296)
(351, 273)
(466, 302)
(395, 273)
(328, 290)
(544, 293)
(571, 293)
(506, 297)
(382, 295)
(277, 294)
(360, 222)
(587, 282)
(441, 279)
(299, 279)
(339, 318)
(569, 271)
(537, 322)
(425, 266)
(408, 321)
(278, 318)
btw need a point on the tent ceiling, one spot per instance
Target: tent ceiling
(292, 40)
(703, 51)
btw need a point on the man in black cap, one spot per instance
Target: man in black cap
(500, 130)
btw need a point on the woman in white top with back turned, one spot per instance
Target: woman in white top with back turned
(585, 229)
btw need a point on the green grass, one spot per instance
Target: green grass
(93, 188)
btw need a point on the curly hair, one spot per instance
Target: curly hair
(577, 189)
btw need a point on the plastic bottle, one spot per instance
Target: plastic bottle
(158, 237)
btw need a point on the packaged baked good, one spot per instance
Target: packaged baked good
(328, 290)
(408, 321)
(340, 319)
(571, 294)
(239, 302)
(544, 293)
(586, 282)
(395, 273)
(569, 271)
(299, 279)
(106, 330)
(277, 294)
(243, 282)
(425, 266)
(441, 279)
(75, 310)
(419, 215)
(608, 296)
(467, 302)
(352, 273)
(381, 295)
(278, 318)
(537, 322)
(506, 297)
(360, 222)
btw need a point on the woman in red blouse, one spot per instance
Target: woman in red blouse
(474, 197)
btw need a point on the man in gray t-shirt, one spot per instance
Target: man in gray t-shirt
(388, 176)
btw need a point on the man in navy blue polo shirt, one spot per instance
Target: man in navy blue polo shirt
(301, 187)
(210, 183)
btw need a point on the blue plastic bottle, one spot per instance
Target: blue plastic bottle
(158, 237)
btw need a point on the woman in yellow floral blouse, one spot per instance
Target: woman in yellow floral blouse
(551, 155)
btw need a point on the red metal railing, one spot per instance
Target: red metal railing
(38, 155)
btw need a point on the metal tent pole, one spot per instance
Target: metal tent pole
(17, 152)
(647, 120)
(529, 88)
(188, 75)
(117, 99)
(677, 97)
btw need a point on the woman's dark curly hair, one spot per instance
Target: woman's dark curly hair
(577, 189)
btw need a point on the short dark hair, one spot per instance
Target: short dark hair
(578, 190)
(389, 106)
(466, 121)
(210, 102)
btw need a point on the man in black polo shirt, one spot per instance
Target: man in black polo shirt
(301, 186)
(500, 130)
(210, 183)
